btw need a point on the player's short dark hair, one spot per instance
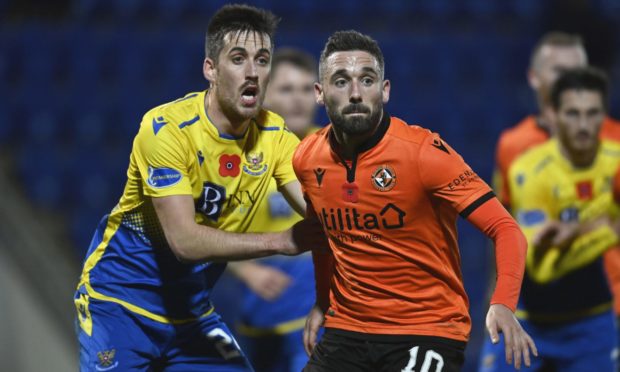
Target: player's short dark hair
(237, 18)
(296, 57)
(342, 41)
(583, 78)
(556, 39)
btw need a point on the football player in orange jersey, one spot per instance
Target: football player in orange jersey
(554, 53)
(389, 288)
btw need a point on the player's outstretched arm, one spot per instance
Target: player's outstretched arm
(567, 247)
(191, 242)
(510, 251)
(294, 196)
(518, 342)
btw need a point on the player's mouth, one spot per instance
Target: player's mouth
(583, 136)
(249, 96)
(356, 109)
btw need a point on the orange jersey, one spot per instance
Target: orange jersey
(512, 143)
(391, 221)
(610, 129)
(526, 134)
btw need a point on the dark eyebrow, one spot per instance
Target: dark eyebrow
(369, 69)
(342, 71)
(238, 49)
(244, 51)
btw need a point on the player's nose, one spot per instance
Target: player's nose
(251, 71)
(355, 95)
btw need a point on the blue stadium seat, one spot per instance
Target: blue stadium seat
(7, 124)
(528, 9)
(88, 129)
(439, 8)
(40, 167)
(83, 222)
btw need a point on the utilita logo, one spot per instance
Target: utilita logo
(341, 219)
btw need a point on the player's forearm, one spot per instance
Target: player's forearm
(323, 272)
(201, 243)
(587, 248)
(593, 239)
(192, 242)
(510, 250)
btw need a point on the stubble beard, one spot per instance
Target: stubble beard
(355, 125)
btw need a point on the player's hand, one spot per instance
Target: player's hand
(305, 235)
(267, 282)
(566, 234)
(314, 322)
(517, 342)
(543, 239)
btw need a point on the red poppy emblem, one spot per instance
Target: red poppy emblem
(229, 165)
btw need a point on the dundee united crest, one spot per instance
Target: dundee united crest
(384, 178)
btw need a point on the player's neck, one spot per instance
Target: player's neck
(350, 143)
(303, 131)
(544, 120)
(225, 122)
(580, 159)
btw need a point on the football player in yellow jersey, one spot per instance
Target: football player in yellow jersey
(561, 194)
(279, 291)
(198, 169)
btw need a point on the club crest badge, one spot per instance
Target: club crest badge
(383, 178)
(106, 360)
(254, 164)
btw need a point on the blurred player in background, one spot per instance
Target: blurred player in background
(198, 169)
(554, 53)
(389, 287)
(561, 196)
(279, 291)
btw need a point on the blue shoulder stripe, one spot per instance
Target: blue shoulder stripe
(267, 128)
(189, 122)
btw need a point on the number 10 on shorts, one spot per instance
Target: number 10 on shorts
(429, 356)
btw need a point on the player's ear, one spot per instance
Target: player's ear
(318, 93)
(386, 91)
(208, 70)
(533, 79)
(551, 115)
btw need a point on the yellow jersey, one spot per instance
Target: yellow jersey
(564, 283)
(178, 151)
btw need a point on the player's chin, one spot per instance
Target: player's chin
(584, 144)
(248, 112)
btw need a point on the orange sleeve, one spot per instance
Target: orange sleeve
(510, 250)
(445, 174)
